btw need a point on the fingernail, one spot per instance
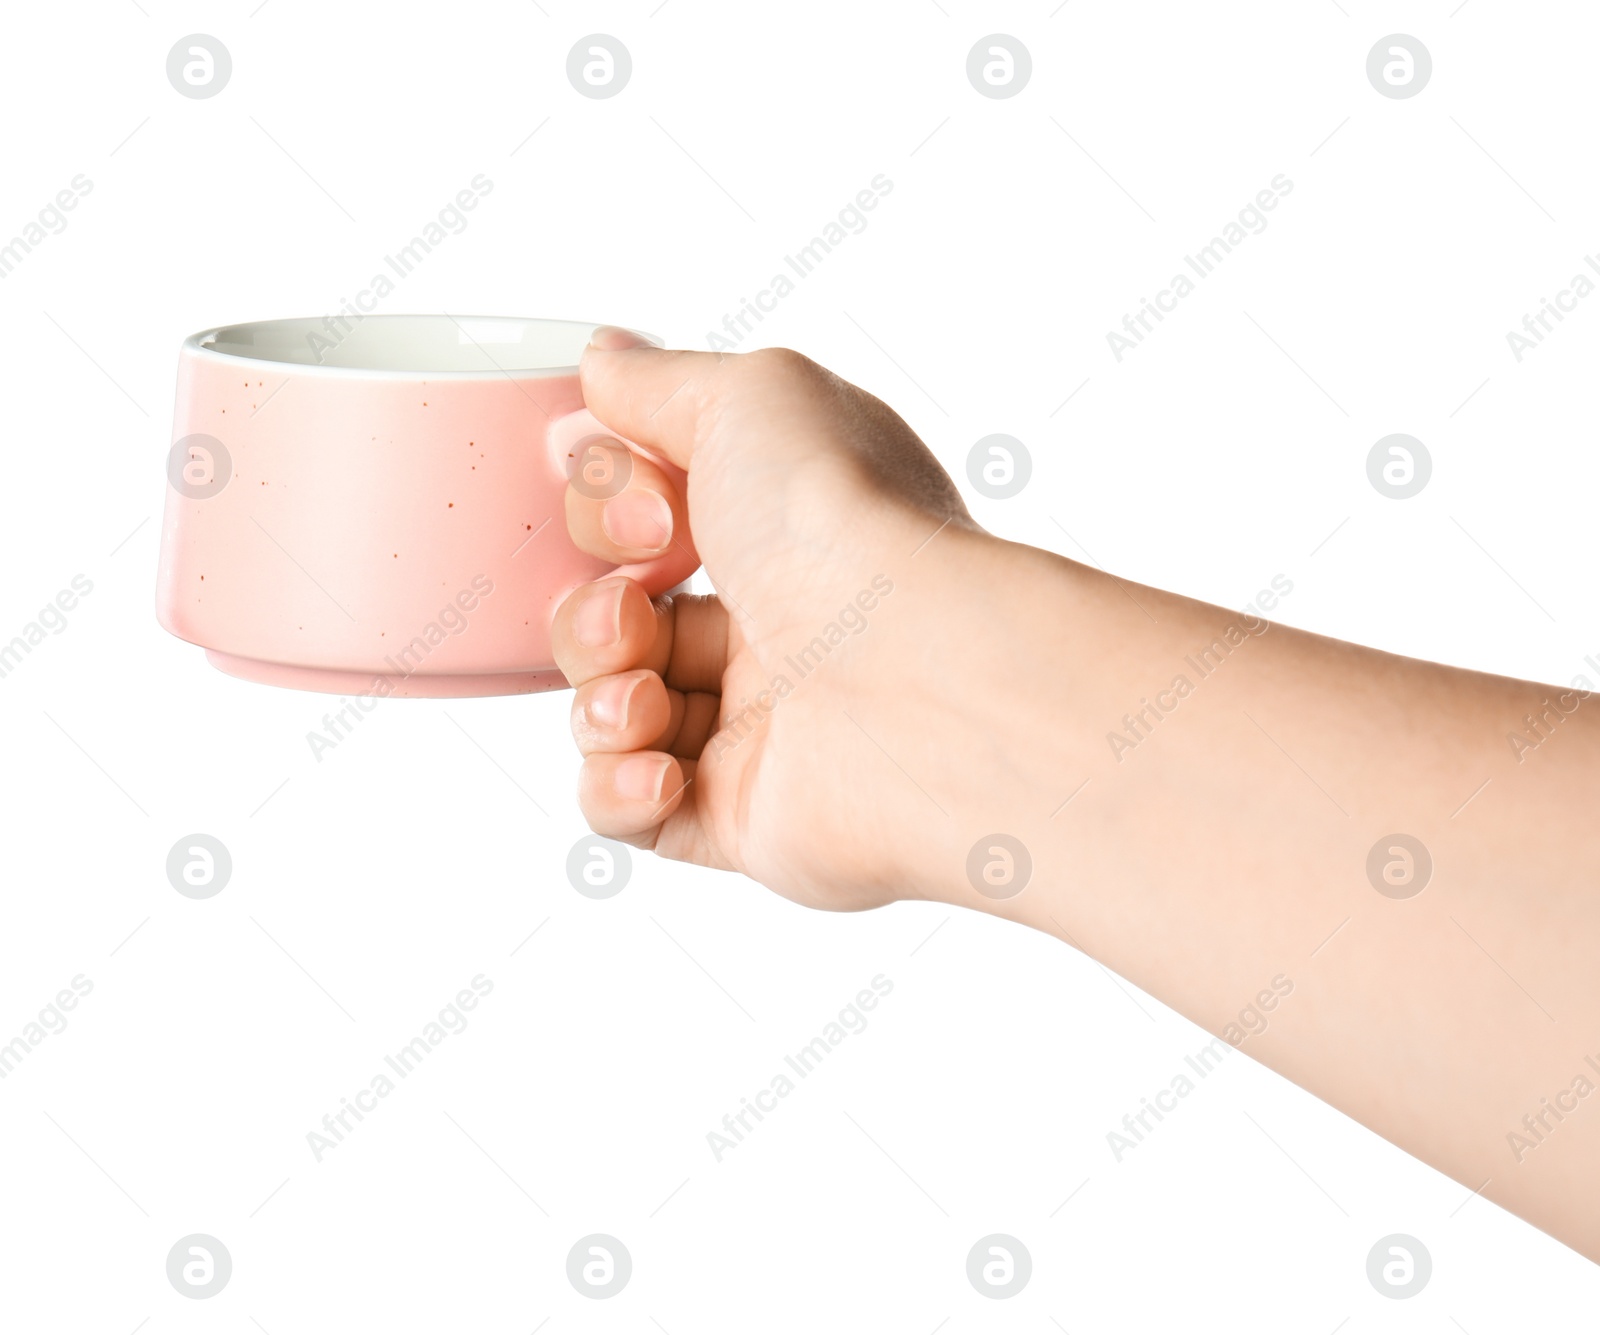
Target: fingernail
(613, 338)
(597, 624)
(608, 706)
(640, 778)
(638, 519)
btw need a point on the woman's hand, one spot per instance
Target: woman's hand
(826, 528)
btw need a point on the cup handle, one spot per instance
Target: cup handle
(566, 434)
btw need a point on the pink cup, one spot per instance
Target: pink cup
(377, 506)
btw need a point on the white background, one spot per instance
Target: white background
(371, 886)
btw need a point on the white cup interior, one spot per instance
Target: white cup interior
(406, 344)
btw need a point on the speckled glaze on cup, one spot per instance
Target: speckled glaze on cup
(378, 507)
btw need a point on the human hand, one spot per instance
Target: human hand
(718, 729)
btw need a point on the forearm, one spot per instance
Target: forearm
(1205, 803)
(1224, 784)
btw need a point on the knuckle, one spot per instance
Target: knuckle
(778, 363)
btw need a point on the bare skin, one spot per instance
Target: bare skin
(881, 686)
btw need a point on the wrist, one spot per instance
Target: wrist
(999, 691)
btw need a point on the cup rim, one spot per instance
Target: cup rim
(201, 345)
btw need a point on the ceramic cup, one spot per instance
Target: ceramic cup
(377, 506)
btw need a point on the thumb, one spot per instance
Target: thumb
(651, 395)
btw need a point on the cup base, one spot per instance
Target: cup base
(338, 681)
